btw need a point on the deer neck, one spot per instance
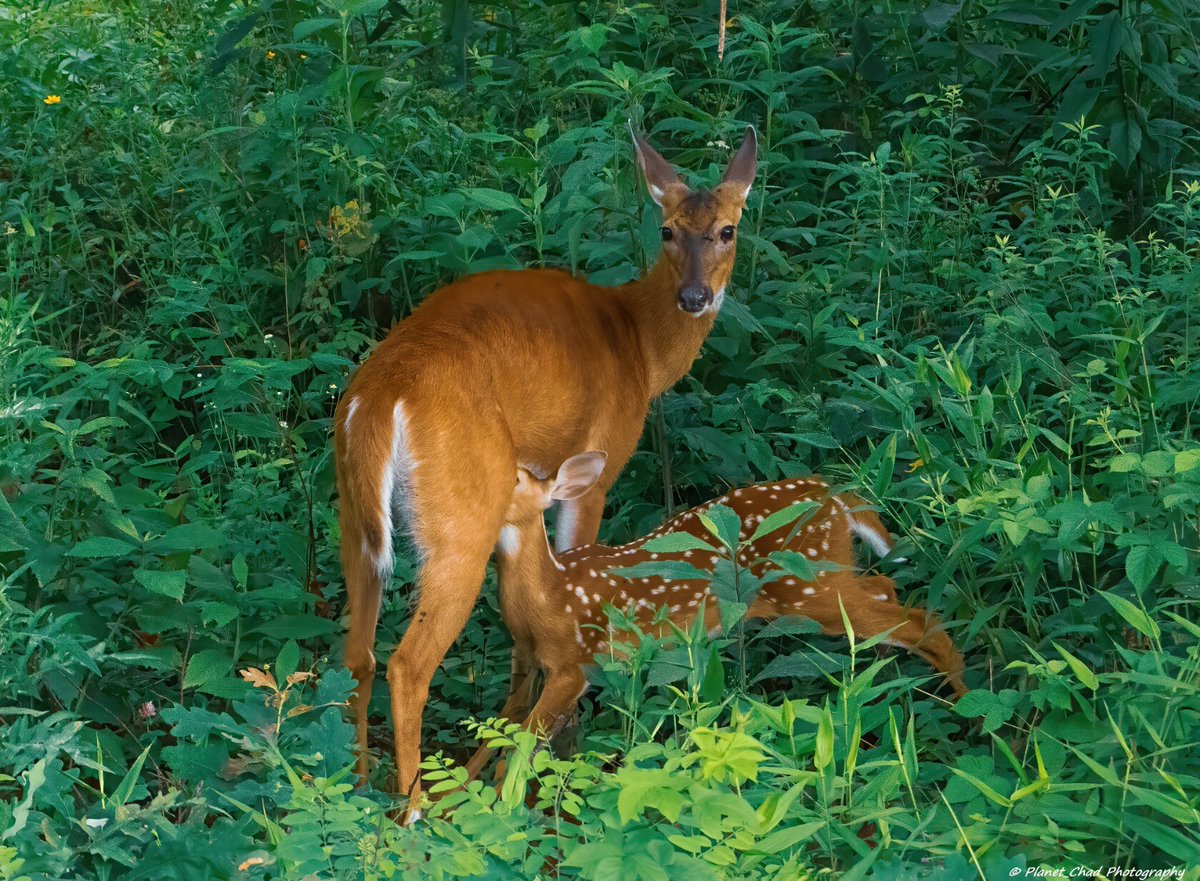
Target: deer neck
(670, 338)
(525, 563)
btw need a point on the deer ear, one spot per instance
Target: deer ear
(662, 181)
(739, 176)
(578, 474)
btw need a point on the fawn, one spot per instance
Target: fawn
(554, 604)
(525, 367)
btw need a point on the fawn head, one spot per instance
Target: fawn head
(699, 228)
(532, 495)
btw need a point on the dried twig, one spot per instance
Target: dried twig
(721, 31)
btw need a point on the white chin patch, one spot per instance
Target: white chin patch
(715, 305)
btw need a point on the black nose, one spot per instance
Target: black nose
(694, 297)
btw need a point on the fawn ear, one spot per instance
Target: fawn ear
(578, 474)
(739, 176)
(664, 184)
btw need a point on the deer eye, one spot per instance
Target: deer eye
(667, 234)
(727, 234)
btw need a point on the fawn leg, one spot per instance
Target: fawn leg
(515, 709)
(559, 695)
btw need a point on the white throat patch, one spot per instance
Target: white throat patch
(510, 541)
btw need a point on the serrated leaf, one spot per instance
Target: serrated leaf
(207, 666)
(188, 537)
(168, 582)
(492, 200)
(1142, 564)
(100, 547)
(674, 570)
(723, 523)
(289, 659)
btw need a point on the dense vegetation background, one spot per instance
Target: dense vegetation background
(966, 286)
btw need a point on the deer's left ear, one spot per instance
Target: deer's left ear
(739, 176)
(578, 474)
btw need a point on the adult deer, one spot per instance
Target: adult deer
(554, 604)
(496, 370)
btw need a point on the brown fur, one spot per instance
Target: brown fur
(496, 370)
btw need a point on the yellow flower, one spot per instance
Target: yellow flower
(270, 55)
(52, 99)
(915, 464)
(303, 57)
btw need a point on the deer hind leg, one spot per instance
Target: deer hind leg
(911, 629)
(464, 481)
(879, 586)
(364, 587)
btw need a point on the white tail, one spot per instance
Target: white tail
(555, 606)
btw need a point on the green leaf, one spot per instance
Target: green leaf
(125, 788)
(987, 791)
(100, 547)
(1125, 138)
(674, 570)
(492, 200)
(241, 573)
(206, 667)
(677, 542)
(724, 523)
(1187, 460)
(1106, 37)
(1142, 564)
(288, 661)
(1124, 462)
(168, 582)
(824, 743)
(1134, 616)
(789, 837)
(188, 537)
(712, 687)
(311, 26)
(784, 517)
(1082, 672)
(642, 788)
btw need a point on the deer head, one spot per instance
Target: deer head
(699, 227)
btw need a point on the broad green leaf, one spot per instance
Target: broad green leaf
(168, 582)
(207, 666)
(100, 547)
(724, 523)
(824, 744)
(1142, 564)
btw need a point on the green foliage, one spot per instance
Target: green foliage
(966, 288)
